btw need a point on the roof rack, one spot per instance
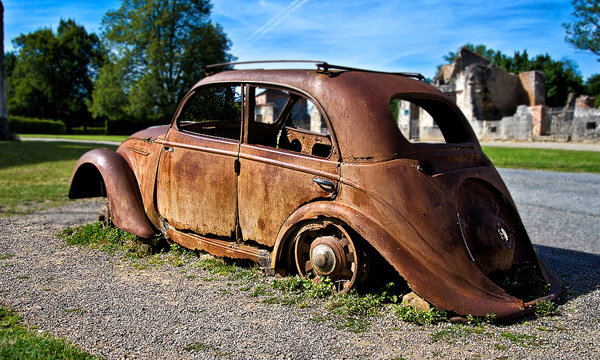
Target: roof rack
(321, 65)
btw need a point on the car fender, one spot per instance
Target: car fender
(445, 288)
(103, 172)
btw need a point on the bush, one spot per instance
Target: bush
(24, 125)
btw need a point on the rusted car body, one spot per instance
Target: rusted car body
(307, 171)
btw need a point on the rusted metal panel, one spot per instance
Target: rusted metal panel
(220, 248)
(196, 183)
(142, 157)
(124, 200)
(272, 185)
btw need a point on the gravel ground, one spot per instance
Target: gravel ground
(105, 305)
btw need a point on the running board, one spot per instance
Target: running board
(220, 248)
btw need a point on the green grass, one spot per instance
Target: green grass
(35, 175)
(117, 138)
(113, 240)
(544, 159)
(17, 342)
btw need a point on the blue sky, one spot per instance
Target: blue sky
(390, 35)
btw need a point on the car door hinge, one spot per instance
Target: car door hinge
(236, 166)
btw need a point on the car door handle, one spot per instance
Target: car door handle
(168, 149)
(326, 185)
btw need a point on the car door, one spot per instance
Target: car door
(286, 160)
(196, 181)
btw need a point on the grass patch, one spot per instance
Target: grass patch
(545, 308)
(544, 159)
(420, 317)
(17, 342)
(96, 236)
(35, 175)
(112, 240)
(521, 339)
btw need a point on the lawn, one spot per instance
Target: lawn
(35, 175)
(117, 138)
(544, 159)
(18, 342)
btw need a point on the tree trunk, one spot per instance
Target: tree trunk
(4, 130)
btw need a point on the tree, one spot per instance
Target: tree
(4, 130)
(593, 88)
(157, 49)
(562, 77)
(490, 54)
(584, 32)
(53, 73)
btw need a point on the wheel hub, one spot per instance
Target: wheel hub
(327, 256)
(323, 259)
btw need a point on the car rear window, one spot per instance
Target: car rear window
(428, 120)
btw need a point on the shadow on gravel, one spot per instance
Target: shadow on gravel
(577, 270)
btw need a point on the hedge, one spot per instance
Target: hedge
(25, 125)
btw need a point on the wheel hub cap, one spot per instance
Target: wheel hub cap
(323, 259)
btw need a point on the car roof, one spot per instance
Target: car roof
(357, 104)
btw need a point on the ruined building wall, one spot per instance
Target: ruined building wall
(504, 106)
(586, 120)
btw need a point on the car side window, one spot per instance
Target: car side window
(289, 121)
(214, 111)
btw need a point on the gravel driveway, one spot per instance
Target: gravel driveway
(108, 307)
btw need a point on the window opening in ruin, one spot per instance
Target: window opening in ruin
(591, 125)
(428, 120)
(493, 129)
(214, 111)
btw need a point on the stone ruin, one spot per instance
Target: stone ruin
(502, 106)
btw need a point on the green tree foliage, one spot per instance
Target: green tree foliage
(593, 88)
(9, 62)
(562, 76)
(584, 32)
(157, 49)
(53, 74)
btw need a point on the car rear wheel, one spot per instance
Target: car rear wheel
(325, 249)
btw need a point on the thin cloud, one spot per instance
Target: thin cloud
(263, 30)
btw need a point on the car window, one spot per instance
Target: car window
(214, 111)
(289, 121)
(268, 104)
(428, 119)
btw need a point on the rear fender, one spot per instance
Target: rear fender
(102, 172)
(442, 285)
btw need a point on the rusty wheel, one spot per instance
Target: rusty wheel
(326, 249)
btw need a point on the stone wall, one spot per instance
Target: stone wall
(586, 120)
(517, 127)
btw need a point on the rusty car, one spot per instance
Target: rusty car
(306, 171)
